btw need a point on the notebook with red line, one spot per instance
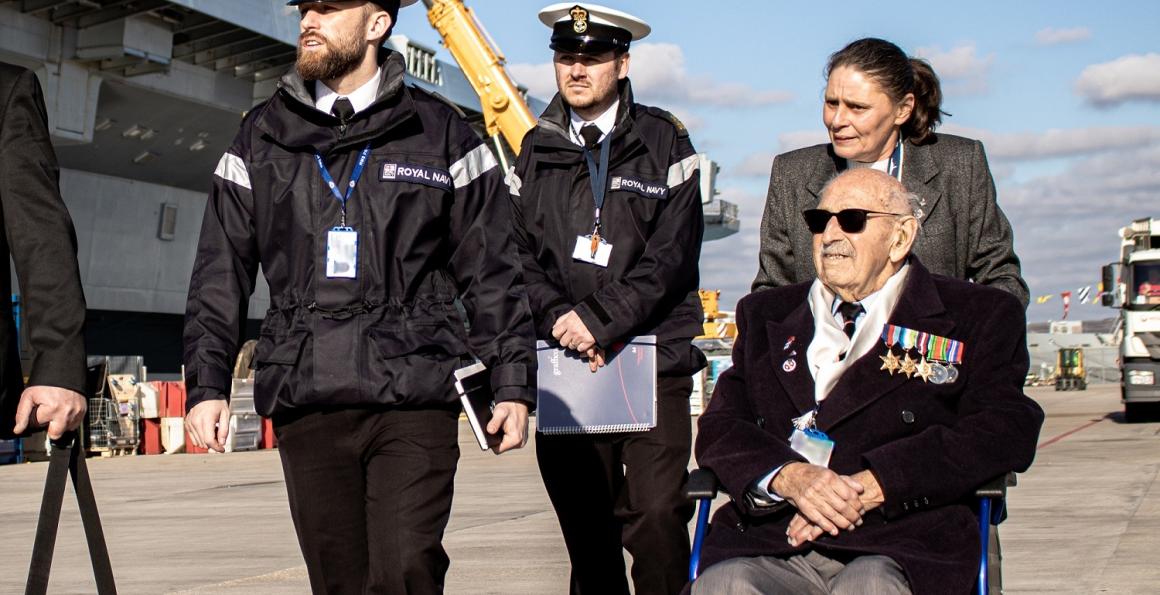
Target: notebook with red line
(620, 397)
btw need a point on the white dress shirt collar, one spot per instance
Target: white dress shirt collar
(361, 98)
(605, 122)
(824, 355)
(867, 302)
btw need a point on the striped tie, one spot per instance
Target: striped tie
(849, 314)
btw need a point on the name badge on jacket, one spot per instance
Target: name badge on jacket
(418, 174)
(645, 189)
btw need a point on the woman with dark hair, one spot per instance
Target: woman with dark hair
(881, 108)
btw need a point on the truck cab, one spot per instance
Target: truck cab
(1137, 295)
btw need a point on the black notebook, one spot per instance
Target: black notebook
(620, 397)
(473, 383)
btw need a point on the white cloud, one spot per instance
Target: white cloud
(1128, 78)
(540, 79)
(788, 141)
(1066, 224)
(1024, 146)
(960, 69)
(659, 75)
(1053, 36)
(756, 165)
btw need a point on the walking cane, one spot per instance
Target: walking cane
(68, 459)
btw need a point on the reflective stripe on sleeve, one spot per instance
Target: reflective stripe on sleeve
(683, 170)
(476, 163)
(232, 169)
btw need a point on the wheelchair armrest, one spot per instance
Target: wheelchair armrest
(996, 488)
(702, 484)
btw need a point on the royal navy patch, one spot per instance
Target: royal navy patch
(651, 190)
(418, 174)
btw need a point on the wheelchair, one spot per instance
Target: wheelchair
(703, 486)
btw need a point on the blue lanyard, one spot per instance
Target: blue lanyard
(598, 177)
(354, 177)
(894, 165)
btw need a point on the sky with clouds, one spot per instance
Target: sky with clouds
(1065, 96)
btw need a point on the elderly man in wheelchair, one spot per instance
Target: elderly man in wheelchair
(862, 412)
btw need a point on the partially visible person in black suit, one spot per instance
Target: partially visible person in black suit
(862, 411)
(880, 109)
(39, 237)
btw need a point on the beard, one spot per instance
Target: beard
(339, 58)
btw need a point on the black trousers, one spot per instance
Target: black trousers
(619, 491)
(370, 494)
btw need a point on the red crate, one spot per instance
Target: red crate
(174, 399)
(150, 437)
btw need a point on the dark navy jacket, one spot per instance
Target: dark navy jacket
(433, 225)
(652, 217)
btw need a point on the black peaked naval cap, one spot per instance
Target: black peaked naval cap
(383, 3)
(597, 39)
(591, 28)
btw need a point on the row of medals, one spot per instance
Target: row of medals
(929, 370)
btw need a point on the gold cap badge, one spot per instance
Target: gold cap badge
(579, 19)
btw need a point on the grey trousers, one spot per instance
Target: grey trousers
(810, 573)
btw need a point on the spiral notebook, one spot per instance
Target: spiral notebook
(620, 397)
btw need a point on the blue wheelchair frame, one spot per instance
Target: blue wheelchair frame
(703, 487)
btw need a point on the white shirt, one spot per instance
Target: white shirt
(605, 122)
(361, 98)
(824, 355)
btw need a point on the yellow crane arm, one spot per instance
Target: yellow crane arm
(504, 109)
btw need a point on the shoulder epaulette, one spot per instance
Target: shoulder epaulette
(675, 121)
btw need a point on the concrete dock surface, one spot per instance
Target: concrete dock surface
(1084, 519)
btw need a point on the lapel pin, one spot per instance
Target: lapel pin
(788, 343)
(790, 365)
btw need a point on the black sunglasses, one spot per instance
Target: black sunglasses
(850, 220)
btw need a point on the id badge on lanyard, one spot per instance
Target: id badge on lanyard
(341, 253)
(342, 240)
(593, 248)
(810, 442)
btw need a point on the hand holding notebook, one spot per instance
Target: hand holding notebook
(618, 397)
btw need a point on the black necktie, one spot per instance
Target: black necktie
(342, 109)
(591, 134)
(849, 314)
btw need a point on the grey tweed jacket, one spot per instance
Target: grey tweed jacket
(964, 232)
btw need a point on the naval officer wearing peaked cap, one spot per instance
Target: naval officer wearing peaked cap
(604, 263)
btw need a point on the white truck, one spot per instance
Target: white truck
(1136, 293)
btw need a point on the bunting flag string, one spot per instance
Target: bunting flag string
(1087, 294)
